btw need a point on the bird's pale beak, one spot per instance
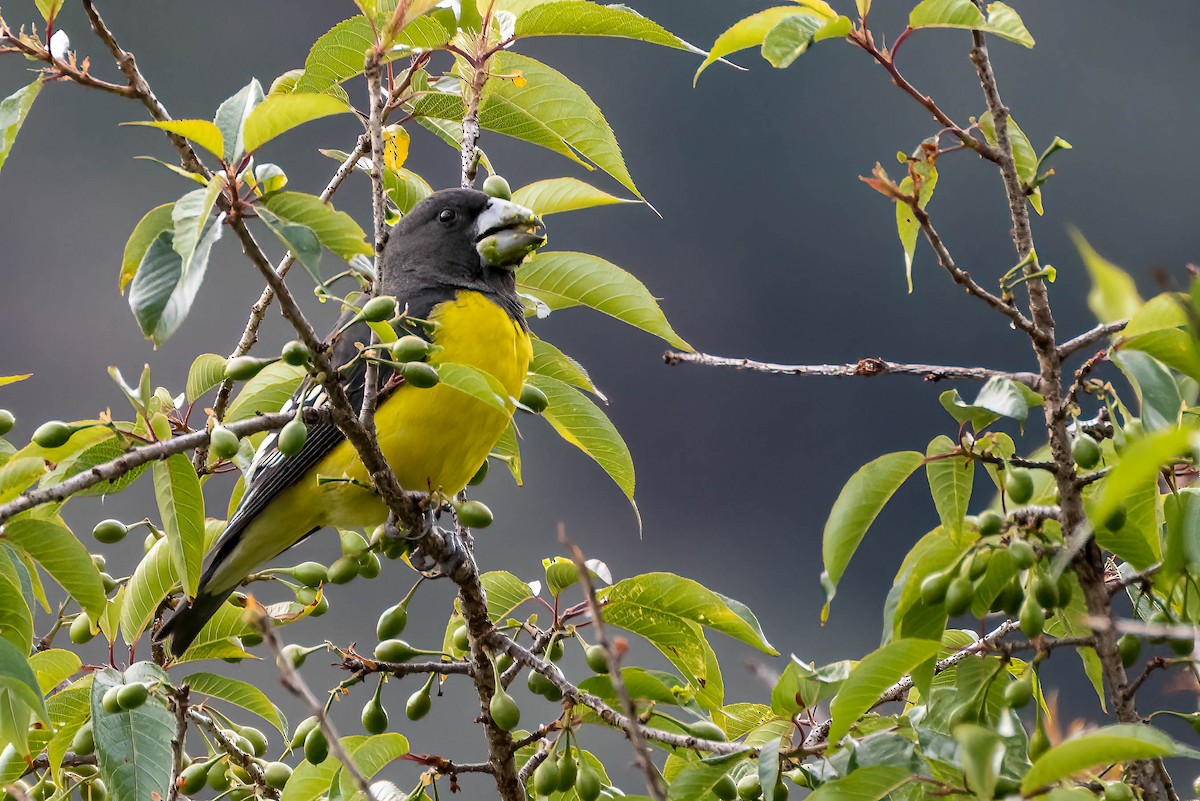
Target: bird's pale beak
(506, 233)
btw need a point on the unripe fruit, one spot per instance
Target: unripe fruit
(504, 662)
(131, 696)
(504, 710)
(781, 790)
(568, 771)
(352, 543)
(374, 717)
(240, 774)
(420, 375)
(545, 778)
(277, 774)
(377, 310)
(99, 561)
(989, 522)
(1066, 588)
(1032, 618)
(223, 443)
(726, 788)
(473, 514)
(1045, 590)
(538, 684)
(7, 421)
(306, 595)
(219, 778)
(109, 701)
(1085, 451)
(934, 586)
(419, 704)
(1118, 791)
(110, 531)
(343, 570)
(497, 187)
(292, 437)
(84, 742)
(394, 651)
(321, 608)
(1182, 646)
(410, 348)
(53, 434)
(392, 622)
(707, 730)
(480, 475)
(109, 582)
(596, 658)
(243, 368)
(316, 747)
(461, 639)
(191, 779)
(587, 786)
(1116, 519)
(534, 399)
(257, 740)
(749, 787)
(1018, 483)
(295, 353)
(1023, 554)
(1130, 647)
(1010, 598)
(147, 543)
(1019, 693)
(310, 574)
(959, 596)
(977, 565)
(294, 655)
(81, 629)
(368, 565)
(306, 725)
(555, 651)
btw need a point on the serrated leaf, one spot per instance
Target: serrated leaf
(577, 18)
(552, 362)
(747, 32)
(18, 682)
(202, 132)
(372, 756)
(278, 114)
(181, 506)
(19, 474)
(238, 693)
(16, 619)
(155, 222)
(1113, 295)
(55, 548)
(103, 451)
(792, 37)
(231, 116)
(133, 746)
(151, 582)
(1001, 19)
(555, 195)
(54, 666)
(696, 782)
(206, 372)
(405, 188)
(13, 110)
(505, 592)
(335, 229)
(999, 397)
(266, 392)
(1123, 742)
(857, 505)
(562, 279)
(871, 676)
(340, 53)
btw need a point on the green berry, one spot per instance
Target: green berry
(538, 684)
(53, 434)
(555, 652)
(310, 574)
(377, 310)
(1066, 588)
(343, 570)
(418, 704)
(1018, 483)
(726, 788)
(1130, 647)
(1019, 693)
(369, 566)
(1116, 519)
(473, 514)
(294, 654)
(596, 658)
(306, 725)
(707, 730)
(410, 348)
(395, 651)
(1181, 646)
(480, 475)
(321, 608)
(191, 779)
(1032, 617)
(781, 790)
(934, 586)
(534, 399)
(131, 696)
(461, 639)
(316, 747)
(109, 700)
(959, 595)
(976, 566)
(504, 710)
(1010, 598)
(99, 561)
(497, 187)
(1045, 590)
(219, 778)
(989, 522)
(749, 787)
(81, 629)
(568, 771)
(392, 622)
(374, 717)
(352, 543)
(110, 531)
(223, 443)
(277, 774)
(420, 375)
(7, 421)
(1023, 554)
(1085, 451)
(109, 582)
(295, 353)
(587, 786)
(243, 368)
(1118, 791)
(257, 740)
(292, 437)
(84, 742)
(545, 778)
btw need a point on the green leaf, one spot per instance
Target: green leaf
(1158, 393)
(696, 782)
(792, 37)
(508, 450)
(238, 693)
(337, 230)
(505, 592)
(475, 383)
(405, 188)
(906, 220)
(19, 474)
(54, 547)
(999, 397)
(220, 638)
(162, 290)
(69, 709)
(864, 784)
(950, 481)
(13, 110)
(341, 52)
(49, 8)
(18, 682)
(553, 363)
(581, 423)
(190, 218)
(642, 685)
(1024, 156)
(151, 582)
(370, 754)
(768, 768)
(1001, 20)
(181, 506)
(206, 372)
(280, 113)
(856, 507)
(231, 116)
(1160, 312)
(202, 132)
(982, 753)
(54, 666)
(371, 757)
(266, 392)
(156, 221)
(134, 745)
(102, 451)
(1113, 296)
(1173, 347)
(300, 241)
(749, 32)
(870, 677)
(562, 279)
(555, 195)
(1120, 743)
(578, 18)
(16, 619)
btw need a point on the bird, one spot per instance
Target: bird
(450, 263)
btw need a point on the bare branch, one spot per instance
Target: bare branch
(236, 755)
(1088, 338)
(179, 705)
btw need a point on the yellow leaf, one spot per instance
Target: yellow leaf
(518, 79)
(395, 147)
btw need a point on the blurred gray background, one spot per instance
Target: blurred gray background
(768, 247)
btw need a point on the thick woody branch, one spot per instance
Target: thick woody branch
(870, 366)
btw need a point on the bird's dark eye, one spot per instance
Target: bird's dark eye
(448, 215)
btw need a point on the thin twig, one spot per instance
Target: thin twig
(179, 705)
(236, 755)
(374, 78)
(1088, 338)
(1157, 663)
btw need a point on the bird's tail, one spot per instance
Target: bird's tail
(188, 619)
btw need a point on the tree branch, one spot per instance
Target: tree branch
(1088, 338)
(179, 704)
(236, 755)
